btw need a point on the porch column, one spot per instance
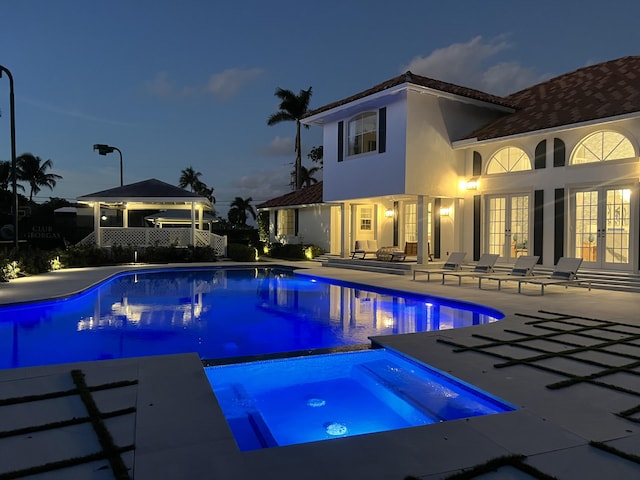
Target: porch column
(422, 228)
(125, 216)
(193, 223)
(97, 229)
(345, 237)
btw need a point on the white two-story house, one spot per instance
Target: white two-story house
(552, 170)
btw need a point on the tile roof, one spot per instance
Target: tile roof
(412, 78)
(599, 91)
(304, 196)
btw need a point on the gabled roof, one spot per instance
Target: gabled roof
(605, 90)
(305, 196)
(414, 79)
(151, 190)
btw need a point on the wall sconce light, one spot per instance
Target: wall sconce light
(472, 184)
(445, 212)
(388, 213)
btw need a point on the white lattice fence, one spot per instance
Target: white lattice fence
(164, 237)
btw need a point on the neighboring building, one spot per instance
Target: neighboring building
(552, 170)
(303, 217)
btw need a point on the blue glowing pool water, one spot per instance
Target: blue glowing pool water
(218, 313)
(320, 397)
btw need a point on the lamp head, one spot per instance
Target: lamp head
(102, 148)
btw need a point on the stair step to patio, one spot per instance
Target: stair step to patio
(603, 280)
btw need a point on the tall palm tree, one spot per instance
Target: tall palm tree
(292, 108)
(189, 178)
(307, 175)
(238, 212)
(33, 170)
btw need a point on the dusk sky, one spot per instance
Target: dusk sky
(186, 83)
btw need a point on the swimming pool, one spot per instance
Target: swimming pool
(219, 313)
(298, 400)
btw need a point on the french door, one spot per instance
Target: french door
(602, 227)
(508, 225)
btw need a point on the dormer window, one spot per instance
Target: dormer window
(362, 133)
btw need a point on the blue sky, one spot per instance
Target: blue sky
(186, 83)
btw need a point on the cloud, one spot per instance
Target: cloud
(470, 64)
(279, 146)
(228, 83)
(263, 185)
(222, 85)
(160, 85)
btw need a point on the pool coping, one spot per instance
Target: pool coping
(553, 429)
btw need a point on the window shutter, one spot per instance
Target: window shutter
(558, 153)
(538, 223)
(382, 130)
(541, 155)
(477, 164)
(477, 225)
(558, 227)
(340, 141)
(295, 222)
(275, 222)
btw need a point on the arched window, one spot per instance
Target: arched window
(363, 133)
(508, 159)
(602, 146)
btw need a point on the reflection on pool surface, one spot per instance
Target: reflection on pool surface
(305, 399)
(218, 313)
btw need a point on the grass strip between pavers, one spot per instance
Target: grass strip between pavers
(67, 463)
(493, 465)
(619, 453)
(63, 423)
(110, 449)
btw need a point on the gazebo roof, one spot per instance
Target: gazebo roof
(147, 191)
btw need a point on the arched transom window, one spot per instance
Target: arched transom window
(509, 159)
(363, 134)
(602, 146)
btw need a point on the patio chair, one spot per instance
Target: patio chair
(484, 266)
(522, 268)
(565, 273)
(364, 248)
(453, 263)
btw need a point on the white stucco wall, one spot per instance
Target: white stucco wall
(569, 177)
(314, 226)
(368, 174)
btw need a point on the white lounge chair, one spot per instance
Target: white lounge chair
(364, 248)
(453, 263)
(483, 266)
(565, 273)
(522, 268)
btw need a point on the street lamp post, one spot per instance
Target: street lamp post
(104, 149)
(12, 120)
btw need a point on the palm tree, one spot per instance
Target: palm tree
(292, 108)
(238, 212)
(33, 170)
(189, 178)
(307, 175)
(5, 176)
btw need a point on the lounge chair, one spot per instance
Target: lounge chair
(484, 266)
(522, 268)
(453, 263)
(565, 273)
(410, 250)
(364, 248)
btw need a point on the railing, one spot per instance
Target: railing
(163, 237)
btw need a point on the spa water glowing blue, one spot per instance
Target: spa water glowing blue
(218, 313)
(305, 399)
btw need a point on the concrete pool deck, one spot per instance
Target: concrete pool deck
(570, 360)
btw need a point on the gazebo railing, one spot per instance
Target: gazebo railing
(164, 237)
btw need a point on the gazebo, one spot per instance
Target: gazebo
(147, 195)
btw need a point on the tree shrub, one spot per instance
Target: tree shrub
(241, 253)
